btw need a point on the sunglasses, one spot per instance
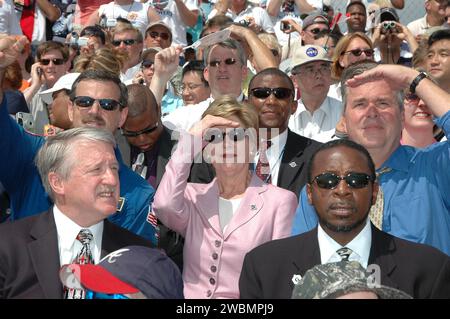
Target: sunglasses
(331, 180)
(147, 64)
(411, 97)
(87, 101)
(55, 61)
(147, 130)
(317, 30)
(358, 52)
(264, 93)
(162, 35)
(97, 295)
(217, 135)
(116, 43)
(229, 61)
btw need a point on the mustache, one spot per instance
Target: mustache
(106, 189)
(338, 205)
(96, 119)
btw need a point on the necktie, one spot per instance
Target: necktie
(376, 211)
(344, 253)
(263, 167)
(83, 257)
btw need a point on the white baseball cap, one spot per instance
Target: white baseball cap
(308, 53)
(64, 83)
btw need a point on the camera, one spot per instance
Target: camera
(244, 23)
(284, 26)
(76, 41)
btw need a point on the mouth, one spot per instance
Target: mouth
(94, 123)
(342, 210)
(145, 147)
(422, 114)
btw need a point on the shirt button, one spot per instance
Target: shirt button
(215, 256)
(212, 281)
(213, 268)
(217, 243)
(208, 293)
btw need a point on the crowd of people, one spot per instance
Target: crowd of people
(227, 149)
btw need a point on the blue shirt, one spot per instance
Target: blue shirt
(416, 195)
(20, 177)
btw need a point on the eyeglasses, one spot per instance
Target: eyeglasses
(353, 180)
(310, 70)
(316, 30)
(97, 295)
(116, 43)
(163, 35)
(147, 64)
(147, 130)
(264, 93)
(217, 135)
(87, 101)
(413, 98)
(229, 61)
(358, 52)
(190, 87)
(55, 61)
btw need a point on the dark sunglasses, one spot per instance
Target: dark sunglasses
(229, 61)
(217, 135)
(87, 101)
(331, 180)
(264, 93)
(147, 64)
(411, 97)
(147, 130)
(97, 295)
(116, 43)
(55, 61)
(358, 52)
(316, 30)
(163, 35)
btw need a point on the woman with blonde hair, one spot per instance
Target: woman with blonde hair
(102, 59)
(223, 220)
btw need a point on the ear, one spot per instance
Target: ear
(375, 191)
(244, 72)
(56, 183)
(123, 116)
(206, 74)
(341, 63)
(341, 126)
(309, 193)
(70, 110)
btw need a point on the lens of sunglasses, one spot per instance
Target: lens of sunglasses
(87, 101)
(217, 135)
(116, 43)
(162, 35)
(353, 180)
(147, 63)
(55, 61)
(264, 93)
(410, 97)
(229, 61)
(147, 130)
(315, 31)
(358, 52)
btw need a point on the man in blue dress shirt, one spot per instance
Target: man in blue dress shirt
(415, 182)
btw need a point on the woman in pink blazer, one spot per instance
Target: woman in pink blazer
(223, 220)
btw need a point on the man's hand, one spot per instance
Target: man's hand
(166, 62)
(10, 49)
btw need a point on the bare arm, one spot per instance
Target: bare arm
(152, 15)
(399, 78)
(50, 11)
(189, 17)
(36, 82)
(398, 4)
(222, 6)
(273, 9)
(304, 6)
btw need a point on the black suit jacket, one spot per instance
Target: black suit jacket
(29, 255)
(292, 172)
(417, 269)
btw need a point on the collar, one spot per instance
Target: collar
(68, 230)
(400, 159)
(325, 107)
(278, 144)
(360, 245)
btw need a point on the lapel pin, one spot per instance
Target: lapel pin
(253, 207)
(296, 279)
(292, 164)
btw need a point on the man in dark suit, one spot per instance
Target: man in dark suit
(151, 146)
(342, 188)
(79, 170)
(271, 91)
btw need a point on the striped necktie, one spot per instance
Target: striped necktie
(344, 253)
(376, 211)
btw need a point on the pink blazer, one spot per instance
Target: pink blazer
(212, 259)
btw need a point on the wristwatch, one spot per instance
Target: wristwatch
(415, 82)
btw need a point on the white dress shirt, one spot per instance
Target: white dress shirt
(360, 246)
(274, 154)
(68, 245)
(321, 124)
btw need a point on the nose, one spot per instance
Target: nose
(434, 60)
(111, 177)
(95, 108)
(342, 189)
(372, 110)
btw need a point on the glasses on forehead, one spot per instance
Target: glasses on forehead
(358, 52)
(353, 180)
(55, 61)
(147, 130)
(216, 63)
(147, 64)
(163, 35)
(87, 101)
(264, 93)
(116, 43)
(215, 135)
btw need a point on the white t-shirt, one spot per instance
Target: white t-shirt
(135, 12)
(9, 22)
(168, 11)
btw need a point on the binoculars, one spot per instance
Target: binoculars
(388, 25)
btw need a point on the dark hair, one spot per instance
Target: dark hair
(47, 46)
(195, 66)
(94, 31)
(102, 76)
(140, 99)
(337, 143)
(438, 36)
(274, 72)
(220, 21)
(328, 34)
(356, 2)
